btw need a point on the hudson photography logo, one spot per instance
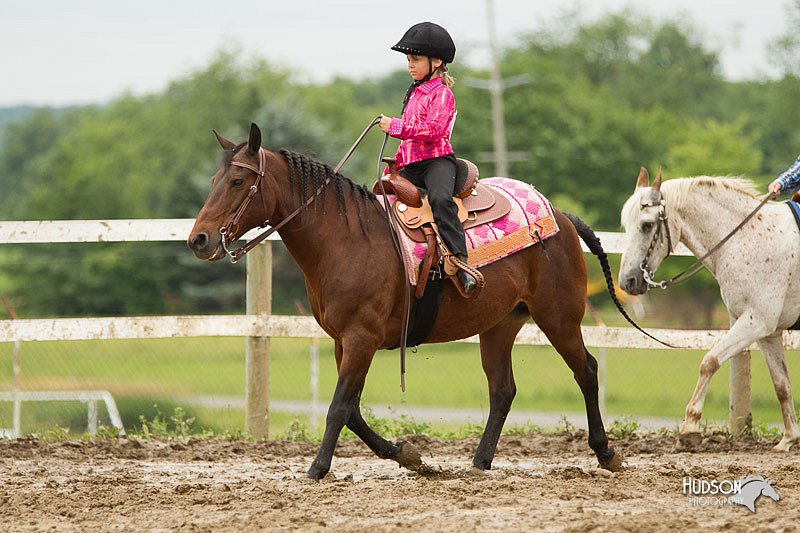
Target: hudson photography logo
(713, 492)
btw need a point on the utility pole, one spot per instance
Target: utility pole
(496, 92)
(495, 85)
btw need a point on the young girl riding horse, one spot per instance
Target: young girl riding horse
(425, 156)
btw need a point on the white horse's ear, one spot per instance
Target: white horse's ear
(657, 181)
(644, 178)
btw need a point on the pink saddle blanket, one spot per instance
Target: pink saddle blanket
(530, 220)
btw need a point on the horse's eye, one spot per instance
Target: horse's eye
(647, 227)
(237, 183)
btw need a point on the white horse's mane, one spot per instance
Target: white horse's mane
(677, 190)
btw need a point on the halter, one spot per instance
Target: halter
(695, 267)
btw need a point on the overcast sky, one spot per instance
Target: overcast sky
(58, 52)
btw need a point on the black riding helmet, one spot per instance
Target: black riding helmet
(427, 39)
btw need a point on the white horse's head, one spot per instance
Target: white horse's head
(646, 234)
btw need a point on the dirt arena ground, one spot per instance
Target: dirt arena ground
(538, 483)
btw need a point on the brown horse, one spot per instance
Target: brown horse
(355, 285)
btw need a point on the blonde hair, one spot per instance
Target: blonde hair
(447, 79)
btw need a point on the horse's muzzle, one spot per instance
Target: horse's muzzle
(634, 284)
(206, 247)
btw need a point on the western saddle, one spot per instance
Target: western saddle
(477, 204)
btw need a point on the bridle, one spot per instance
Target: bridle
(695, 267)
(662, 222)
(229, 230)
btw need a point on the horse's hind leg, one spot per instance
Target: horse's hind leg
(772, 348)
(561, 322)
(496, 345)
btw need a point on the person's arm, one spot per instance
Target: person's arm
(788, 180)
(436, 123)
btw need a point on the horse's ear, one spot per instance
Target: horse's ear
(644, 178)
(254, 143)
(225, 143)
(657, 181)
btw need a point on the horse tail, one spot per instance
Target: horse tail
(593, 243)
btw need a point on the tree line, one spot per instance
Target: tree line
(603, 98)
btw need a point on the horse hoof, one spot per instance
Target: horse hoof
(784, 445)
(409, 457)
(688, 441)
(614, 464)
(316, 473)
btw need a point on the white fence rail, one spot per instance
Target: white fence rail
(263, 325)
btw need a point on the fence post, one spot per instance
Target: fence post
(259, 302)
(740, 408)
(91, 415)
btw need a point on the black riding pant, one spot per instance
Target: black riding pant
(438, 176)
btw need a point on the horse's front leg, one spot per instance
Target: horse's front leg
(353, 364)
(356, 423)
(339, 412)
(405, 454)
(744, 331)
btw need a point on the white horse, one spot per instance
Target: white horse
(758, 271)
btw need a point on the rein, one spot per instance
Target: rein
(228, 231)
(394, 230)
(697, 265)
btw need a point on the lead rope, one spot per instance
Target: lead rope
(697, 265)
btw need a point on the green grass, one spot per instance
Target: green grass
(148, 377)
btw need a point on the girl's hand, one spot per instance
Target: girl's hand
(774, 187)
(385, 123)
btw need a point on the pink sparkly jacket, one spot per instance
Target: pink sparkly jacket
(426, 124)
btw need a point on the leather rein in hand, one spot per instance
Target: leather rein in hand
(697, 265)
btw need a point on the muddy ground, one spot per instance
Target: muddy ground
(537, 483)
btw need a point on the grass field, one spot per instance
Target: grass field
(149, 377)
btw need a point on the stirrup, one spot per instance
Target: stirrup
(468, 281)
(462, 268)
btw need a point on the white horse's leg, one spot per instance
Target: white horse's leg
(746, 330)
(772, 347)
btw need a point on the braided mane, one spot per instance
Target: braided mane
(306, 176)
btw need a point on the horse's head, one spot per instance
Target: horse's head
(646, 234)
(242, 197)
